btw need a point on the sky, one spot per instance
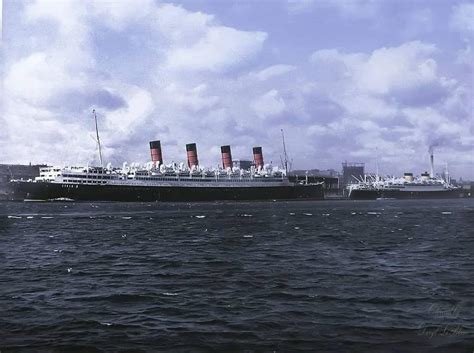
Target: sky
(378, 82)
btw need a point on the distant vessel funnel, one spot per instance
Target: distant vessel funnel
(258, 157)
(155, 150)
(191, 151)
(226, 157)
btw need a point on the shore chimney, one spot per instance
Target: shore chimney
(226, 157)
(155, 150)
(258, 157)
(191, 151)
(431, 164)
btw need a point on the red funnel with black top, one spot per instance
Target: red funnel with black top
(191, 151)
(258, 157)
(155, 150)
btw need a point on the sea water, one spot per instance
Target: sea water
(322, 276)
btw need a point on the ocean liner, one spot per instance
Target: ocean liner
(156, 181)
(425, 186)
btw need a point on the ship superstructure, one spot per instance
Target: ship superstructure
(173, 174)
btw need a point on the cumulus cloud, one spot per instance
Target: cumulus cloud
(407, 74)
(465, 56)
(462, 19)
(347, 8)
(269, 104)
(121, 14)
(274, 70)
(1, 21)
(54, 89)
(394, 93)
(220, 48)
(160, 71)
(195, 99)
(389, 69)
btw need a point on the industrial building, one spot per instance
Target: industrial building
(351, 172)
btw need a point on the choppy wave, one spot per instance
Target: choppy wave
(378, 276)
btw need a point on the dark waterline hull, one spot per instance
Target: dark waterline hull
(48, 191)
(396, 194)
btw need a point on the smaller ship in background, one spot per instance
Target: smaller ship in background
(425, 186)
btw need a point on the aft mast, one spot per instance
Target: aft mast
(98, 139)
(446, 175)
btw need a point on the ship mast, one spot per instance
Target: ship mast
(446, 174)
(284, 151)
(98, 139)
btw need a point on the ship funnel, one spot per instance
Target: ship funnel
(191, 151)
(258, 157)
(431, 164)
(408, 177)
(155, 150)
(425, 176)
(226, 157)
